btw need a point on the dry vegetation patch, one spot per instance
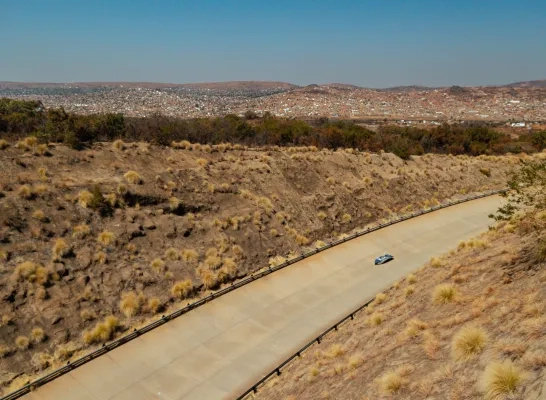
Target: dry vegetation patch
(473, 340)
(95, 242)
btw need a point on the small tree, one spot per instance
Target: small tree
(526, 187)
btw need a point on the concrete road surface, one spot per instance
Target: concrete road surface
(220, 349)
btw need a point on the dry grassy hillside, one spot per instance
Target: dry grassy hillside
(469, 325)
(95, 242)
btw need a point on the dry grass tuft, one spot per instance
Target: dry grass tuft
(87, 314)
(172, 254)
(154, 305)
(190, 256)
(3, 144)
(335, 350)
(25, 192)
(346, 218)
(202, 162)
(157, 264)
(444, 294)
(22, 342)
(80, 231)
(380, 298)
(102, 332)
(322, 215)
(468, 342)
(435, 262)
(106, 238)
(392, 382)
(118, 145)
(182, 289)
(130, 304)
(208, 277)
(133, 178)
(60, 249)
(84, 198)
(38, 335)
(375, 319)
(501, 379)
(31, 272)
(39, 215)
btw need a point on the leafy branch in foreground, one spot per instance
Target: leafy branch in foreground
(526, 189)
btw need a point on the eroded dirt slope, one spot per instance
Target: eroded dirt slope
(95, 242)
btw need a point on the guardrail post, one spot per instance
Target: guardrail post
(278, 371)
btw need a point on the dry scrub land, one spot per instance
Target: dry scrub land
(469, 325)
(96, 242)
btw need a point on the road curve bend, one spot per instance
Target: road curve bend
(219, 350)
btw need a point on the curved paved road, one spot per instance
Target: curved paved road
(220, 349)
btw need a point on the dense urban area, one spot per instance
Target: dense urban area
(520, 103)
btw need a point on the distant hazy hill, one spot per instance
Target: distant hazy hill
(537, 84)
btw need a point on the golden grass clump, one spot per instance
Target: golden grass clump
(60, 249)
(208, 277)
(157, 264)
(39, 215)
(411, 279)
(80, 231)
(3, 144)
(32, 272)
(174, 202)
(154, 305)
(182, 289)
(190, 256)
(375, 319)
(229, 267)
(64, 351)
(435, 262)
(84, 198)
(277, 260)
(106, 238)
(213, 261)
(130, 304)
(118, 145)
(41, 360)
(319, 244)
(345, 218)
(301, 240)
(102, 332)
(468, 342)
(87, 314)
(392, 382)
(101, 257)
(25, 192)
(133, 177)
(336, 350)
(501, 379)
(237, 251)
(202, 162)
(22, 342)
(322, 215)
(444, 294)
(380, 298)
(38, 335)
(172, 254)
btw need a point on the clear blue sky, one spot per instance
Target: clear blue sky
(375, 43)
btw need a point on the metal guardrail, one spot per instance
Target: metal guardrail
(165, 318)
